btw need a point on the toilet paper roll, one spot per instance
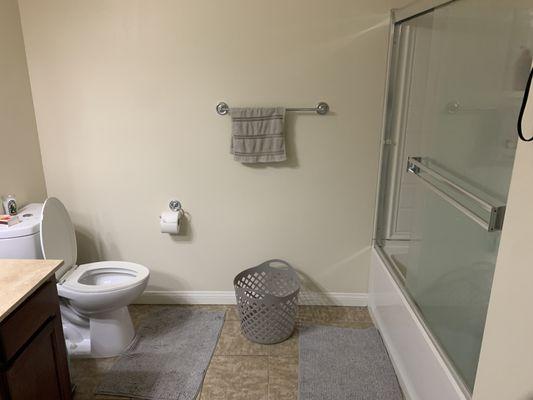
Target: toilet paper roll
(170, 222)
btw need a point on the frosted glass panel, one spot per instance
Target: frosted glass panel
(458, 78)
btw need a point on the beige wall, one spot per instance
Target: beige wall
(21, 170)
(125, 93)
(505, 367)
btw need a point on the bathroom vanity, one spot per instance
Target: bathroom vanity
(33, 358)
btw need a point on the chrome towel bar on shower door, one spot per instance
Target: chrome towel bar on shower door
(496, 212)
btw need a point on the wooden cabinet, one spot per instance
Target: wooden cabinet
(33, 359)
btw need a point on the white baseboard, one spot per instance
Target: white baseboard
(228, 297)
(334, 299)
(186, 297)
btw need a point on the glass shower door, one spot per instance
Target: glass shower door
(458, 77)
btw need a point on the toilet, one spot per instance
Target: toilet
(94, 297)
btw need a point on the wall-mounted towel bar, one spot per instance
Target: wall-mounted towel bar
(321, 108)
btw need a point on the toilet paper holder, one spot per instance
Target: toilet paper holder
(170, 221)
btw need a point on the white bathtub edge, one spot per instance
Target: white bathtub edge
(422, 373)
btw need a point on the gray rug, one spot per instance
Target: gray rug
(170, 357)
(345, 363)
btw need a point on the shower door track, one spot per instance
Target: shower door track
(418, 8)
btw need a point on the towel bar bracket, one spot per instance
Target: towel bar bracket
(321, 108)
(222, 108)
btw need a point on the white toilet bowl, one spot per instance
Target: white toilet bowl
(94, 297)
(103, 286)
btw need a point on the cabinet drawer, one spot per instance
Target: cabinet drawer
(18, 328)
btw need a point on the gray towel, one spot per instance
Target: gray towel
(257, 134)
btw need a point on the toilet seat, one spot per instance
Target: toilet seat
(105, 276)
(58, 238)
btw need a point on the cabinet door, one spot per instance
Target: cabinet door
(40, 371)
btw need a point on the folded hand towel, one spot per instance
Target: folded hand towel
(257, 134)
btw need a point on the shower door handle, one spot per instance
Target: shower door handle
(496, 213)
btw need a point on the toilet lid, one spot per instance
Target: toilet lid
(58, 240)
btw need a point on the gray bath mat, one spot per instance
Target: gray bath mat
(345, 363)
(170, 357)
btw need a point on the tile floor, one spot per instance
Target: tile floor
(240, 369)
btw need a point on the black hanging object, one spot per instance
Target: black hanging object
(523, 108)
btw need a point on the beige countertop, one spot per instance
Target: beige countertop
(20, 278)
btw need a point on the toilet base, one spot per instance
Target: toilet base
(102, 335)
(111, 333)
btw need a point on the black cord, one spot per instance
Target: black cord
(523, 108)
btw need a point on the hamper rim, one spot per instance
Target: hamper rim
(290, 270)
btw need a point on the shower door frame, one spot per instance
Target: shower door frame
(394, 107)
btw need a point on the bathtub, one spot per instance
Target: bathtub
(422, 372)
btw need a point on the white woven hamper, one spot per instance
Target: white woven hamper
(267, 300)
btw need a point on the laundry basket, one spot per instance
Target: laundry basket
(267, 300)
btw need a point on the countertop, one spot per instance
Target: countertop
(20, 278)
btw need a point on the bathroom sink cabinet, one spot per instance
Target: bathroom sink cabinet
(33, 358)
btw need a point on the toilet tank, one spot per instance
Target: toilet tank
(23, 240)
